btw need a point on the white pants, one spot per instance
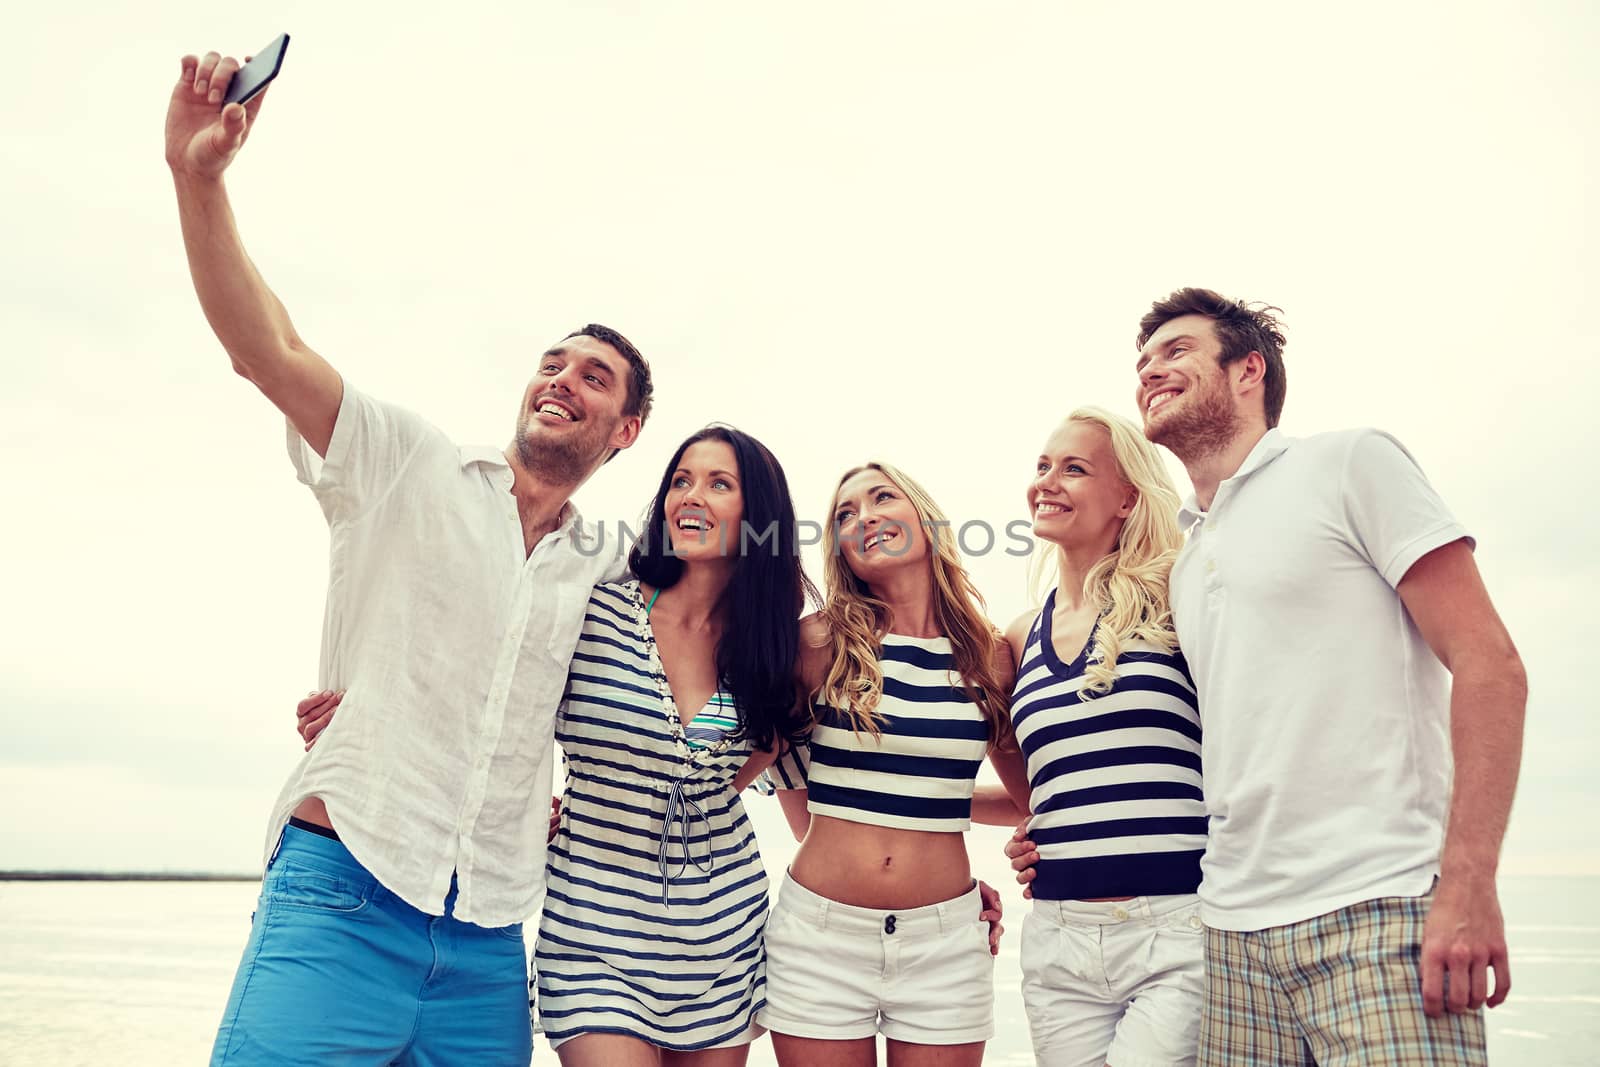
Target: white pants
(1119, 982)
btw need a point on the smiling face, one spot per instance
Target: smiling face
(572, 412)
(1079, 498)
(705, 503)
(1184, 392)
(878, 525)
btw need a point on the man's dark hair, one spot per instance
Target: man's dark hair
(641, 391)
(758, 653)
(1242, 328)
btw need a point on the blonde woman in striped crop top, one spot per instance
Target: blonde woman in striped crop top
(877, 928)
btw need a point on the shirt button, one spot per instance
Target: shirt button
(1211, 566)
(1120, 914)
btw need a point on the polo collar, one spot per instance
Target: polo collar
(1273, 444)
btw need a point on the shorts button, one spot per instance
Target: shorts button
(888, 925)
(1194, 921)
(1120, 914)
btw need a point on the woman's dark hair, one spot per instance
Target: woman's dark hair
(758, 655)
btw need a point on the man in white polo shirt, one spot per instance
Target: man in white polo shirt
(409, 844)
(1362, 707)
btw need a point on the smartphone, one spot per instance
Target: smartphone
(254, 76)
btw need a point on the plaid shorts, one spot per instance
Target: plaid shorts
(1340, 990)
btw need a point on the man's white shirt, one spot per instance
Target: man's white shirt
(1325, 715)
(453, 644)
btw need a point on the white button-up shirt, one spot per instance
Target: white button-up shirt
(452, 644)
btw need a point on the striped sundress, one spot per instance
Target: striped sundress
(656, 893)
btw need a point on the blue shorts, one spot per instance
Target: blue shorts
(340, 970)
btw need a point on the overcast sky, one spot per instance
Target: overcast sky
(917, 232)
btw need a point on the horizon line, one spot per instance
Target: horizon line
(126, 876)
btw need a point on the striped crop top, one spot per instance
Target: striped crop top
(1115, 778)
(918, 775)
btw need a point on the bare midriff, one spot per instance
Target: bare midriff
(313, 810)
(880, 866)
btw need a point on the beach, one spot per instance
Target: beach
(136, 973)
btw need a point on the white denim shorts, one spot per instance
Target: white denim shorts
(1119, 981)
(839, 972)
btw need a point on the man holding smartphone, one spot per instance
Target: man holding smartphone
(408, 845)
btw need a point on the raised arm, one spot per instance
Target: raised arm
(202, 139)
(1465, 935)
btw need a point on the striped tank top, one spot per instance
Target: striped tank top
(918, 775)
(1115, 777)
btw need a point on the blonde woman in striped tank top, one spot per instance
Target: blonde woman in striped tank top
(877, 929)
(1105, 712)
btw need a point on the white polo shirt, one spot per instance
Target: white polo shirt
(452, 643)
(1326, 749)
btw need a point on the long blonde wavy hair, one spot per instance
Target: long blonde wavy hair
(857, 620)
(1129, 585)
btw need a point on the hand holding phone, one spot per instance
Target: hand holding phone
(204, 131)
(256, 74)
